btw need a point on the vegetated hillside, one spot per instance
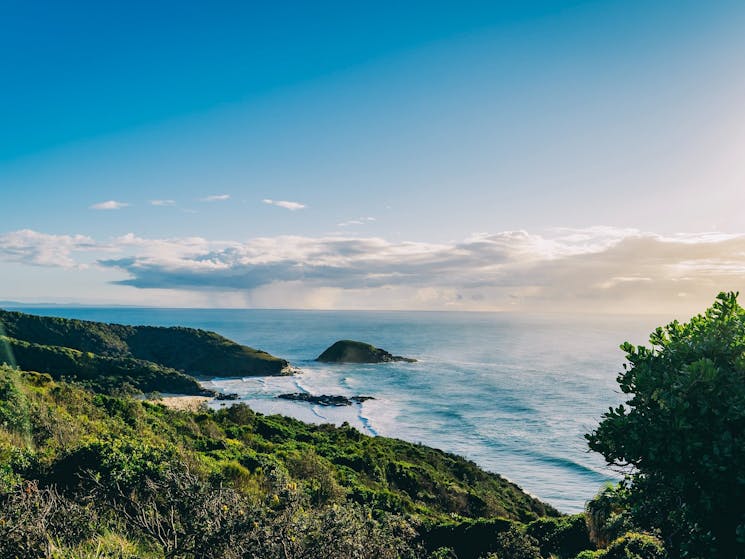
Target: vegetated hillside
(100, 373)
(195, 352)
(232, 479)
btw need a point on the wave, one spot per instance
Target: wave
(364, 420)
(569, 465)
(299, 386)
(315, 409)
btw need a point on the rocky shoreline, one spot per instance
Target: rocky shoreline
(325, 399)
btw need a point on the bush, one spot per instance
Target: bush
(564, 537)
(682, 432)
(515, 544)
(635, 546)
(14, 407)
(32, 519)
(607, 517)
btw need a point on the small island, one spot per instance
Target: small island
(350, 351)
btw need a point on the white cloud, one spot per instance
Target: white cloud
(40, 249)
(215, 198)
(162, 202)
(594, 270)
(357, 221)
(109, 205)
(292, 206)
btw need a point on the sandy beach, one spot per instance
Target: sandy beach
(182, 401)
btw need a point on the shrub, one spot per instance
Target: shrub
(681, 432)
(607, 517)
(634, 545)
(564, 537)
(14, 407)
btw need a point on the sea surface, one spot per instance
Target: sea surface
(513, 393)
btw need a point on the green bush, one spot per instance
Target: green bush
(682, 430)
(607, 516)
(467, 538)
(515, 544)
(564, 537)
(635, 546)
(14, 406)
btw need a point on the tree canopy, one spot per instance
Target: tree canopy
(681, 434)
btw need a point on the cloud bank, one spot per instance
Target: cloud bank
(598, 269)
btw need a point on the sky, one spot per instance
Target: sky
(537, 156)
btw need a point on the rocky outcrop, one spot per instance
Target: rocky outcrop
(350, 351)
(325, 399)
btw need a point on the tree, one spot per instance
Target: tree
(681, 435)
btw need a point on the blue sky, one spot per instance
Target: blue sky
(467, 155)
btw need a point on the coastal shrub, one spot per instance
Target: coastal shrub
(317, 475)
(181, 513)
(117, 463)
(634, 545)
(33, 518)
(14, 406)
(682, 432)
(515, 544)
(467, 538)
(563, 537)
(607, 516)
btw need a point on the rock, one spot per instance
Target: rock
(350, 351)
(227, 396)
(325, 399)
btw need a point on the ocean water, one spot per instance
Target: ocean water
(513, 393)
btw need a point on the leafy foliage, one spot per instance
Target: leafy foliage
(561, 537)
(634, 545)
(515, 544)
(682, 432)
(607, 516)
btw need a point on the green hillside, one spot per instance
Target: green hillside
(100, 373)
(110, 355)
(106, 459)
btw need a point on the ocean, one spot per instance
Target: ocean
(513, 393)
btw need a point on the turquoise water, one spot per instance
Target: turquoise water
(513, 393)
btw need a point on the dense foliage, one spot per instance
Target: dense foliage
(682, 433)
(82, 473)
